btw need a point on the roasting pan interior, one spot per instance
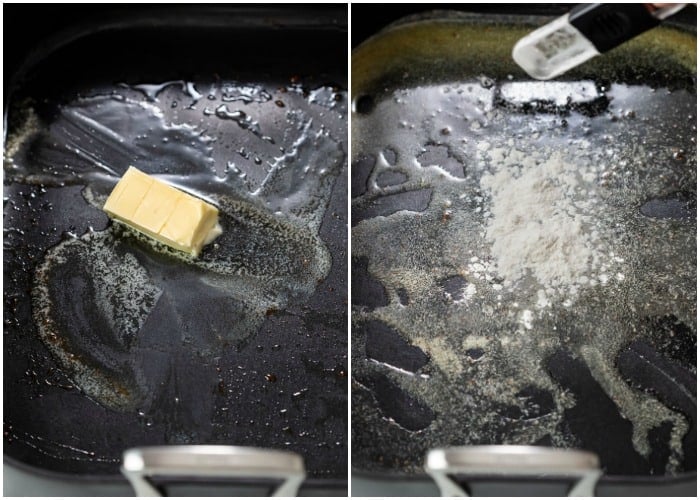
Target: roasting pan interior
(111, 343)
(463, 332)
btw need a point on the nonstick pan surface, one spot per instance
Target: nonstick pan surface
(523, 258)
(111, 342)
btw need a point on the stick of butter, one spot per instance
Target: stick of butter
(163, 212)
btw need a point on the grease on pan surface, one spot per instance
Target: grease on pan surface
(530, 270)
(148, 331)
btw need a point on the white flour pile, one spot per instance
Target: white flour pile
(540, 220)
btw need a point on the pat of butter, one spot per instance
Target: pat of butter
(163, 212)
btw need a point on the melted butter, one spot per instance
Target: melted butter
(615, 161)
(136, 300)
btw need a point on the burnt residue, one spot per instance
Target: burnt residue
(386, 345)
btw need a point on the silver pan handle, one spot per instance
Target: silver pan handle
(524, 461)
(139, 464)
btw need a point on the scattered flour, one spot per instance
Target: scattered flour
(526, 318)
(482, 270)
(541, 223)
(469, 291)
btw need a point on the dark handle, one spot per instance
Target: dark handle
(609, 25)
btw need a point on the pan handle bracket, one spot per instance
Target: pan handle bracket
(521, 461)
(194, 461)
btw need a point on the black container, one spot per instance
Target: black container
(287, 380)
(421, 60)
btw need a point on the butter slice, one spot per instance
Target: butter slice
(163, 212)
